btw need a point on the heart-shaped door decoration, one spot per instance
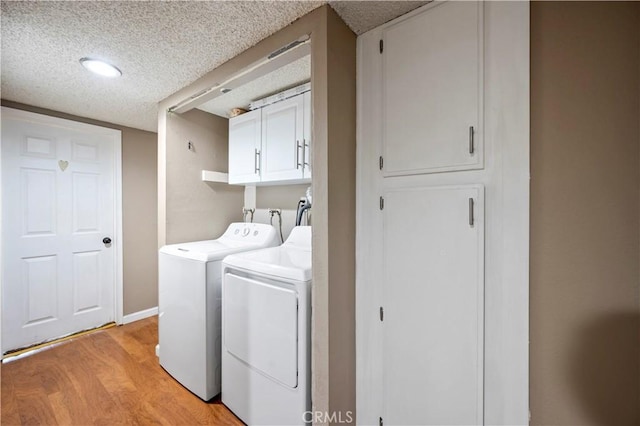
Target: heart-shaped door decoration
(63, 165)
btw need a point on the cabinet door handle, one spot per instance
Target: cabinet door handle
(305, 145)
(471, 142)
(471, 218)
(256, 161)
(298, 154)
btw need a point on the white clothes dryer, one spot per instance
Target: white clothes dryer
(189, 306)
(266, 338)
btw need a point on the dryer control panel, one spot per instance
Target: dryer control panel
(254, 233)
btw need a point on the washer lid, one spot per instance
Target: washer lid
(291, 261)
(238, 237)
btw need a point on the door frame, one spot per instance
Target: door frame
(116, 137)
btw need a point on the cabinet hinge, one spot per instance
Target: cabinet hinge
(381, 203)
(380, 422)
(381, 45)
(381, 313)
(381, 162)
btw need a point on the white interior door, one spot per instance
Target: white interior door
(433, 306)
(59, 201)
(432, 90)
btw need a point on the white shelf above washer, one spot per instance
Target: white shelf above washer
(210, 176)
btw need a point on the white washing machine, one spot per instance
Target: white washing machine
(189, 304)
(266, 337)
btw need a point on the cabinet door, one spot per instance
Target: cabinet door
(244, 148)
(282, 140)
(433, 298)
(307, 134)
(432, 90)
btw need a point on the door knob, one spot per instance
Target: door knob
(106, 240)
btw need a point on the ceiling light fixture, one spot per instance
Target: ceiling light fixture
(99, 67)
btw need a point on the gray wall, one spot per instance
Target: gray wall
(585, 216)
(140, 219)
(283, 197)
(340, 200)
(139, 209)
(197, 210)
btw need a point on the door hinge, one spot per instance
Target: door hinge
(381, 162)
(381, 313)
(381, 45)
(380, 422)
(381, 203)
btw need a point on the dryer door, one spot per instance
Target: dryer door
(261, 326)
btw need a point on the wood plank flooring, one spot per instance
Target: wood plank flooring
(110, 377)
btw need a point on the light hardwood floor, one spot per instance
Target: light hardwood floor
(105, 378)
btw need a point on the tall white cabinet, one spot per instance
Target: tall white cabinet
(431, 181)
(433, 229)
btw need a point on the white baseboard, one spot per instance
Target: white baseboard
(137, 316)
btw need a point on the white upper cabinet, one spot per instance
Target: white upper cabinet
(272, 144)
(432, 91)
(244, 148)
(282, 140)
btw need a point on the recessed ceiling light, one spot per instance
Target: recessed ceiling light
(100, 67)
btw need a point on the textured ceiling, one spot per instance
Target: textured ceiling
(363, 15)
(160, 46)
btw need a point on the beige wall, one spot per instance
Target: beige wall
(280, 196)
(139, 206)
(139, 219)
(284, 197)
(197, 210)
(585, 182)
(333, 50)
(340, 200)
